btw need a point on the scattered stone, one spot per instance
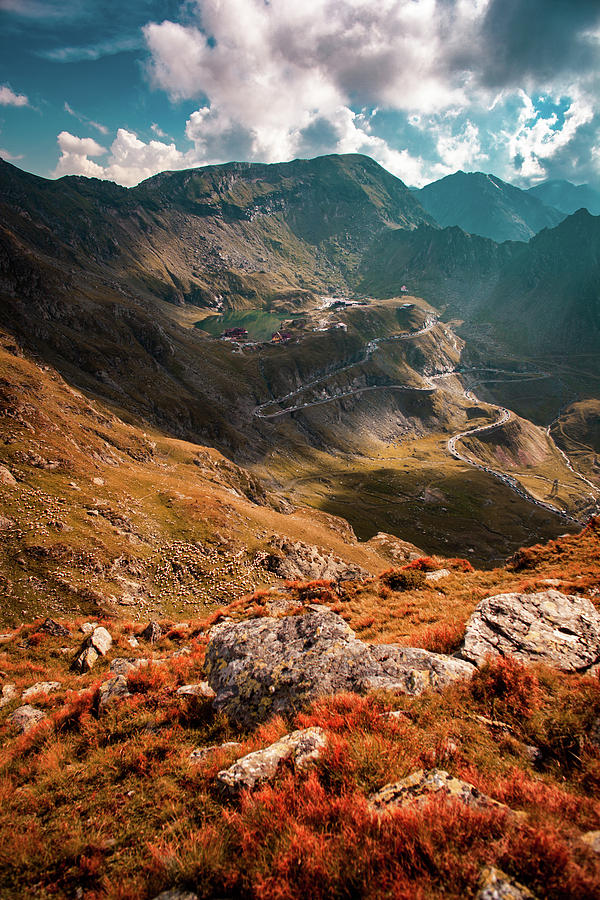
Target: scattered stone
(592, 840)
(201, 753)
(495, 885)
(295, 559)
(183, 651)
(550, 627)
(533, 754)
(88, 627)
(97, 644)
(303, 747)
(418, 787)
(9, 693)
(122, 665)
(263, 666)
(5, 523)
(50, 626)
(113, 689)
(98, 481)
(133, 641)
(202, 689)
(6, 477)
(26, 717)
(177, 894)
(41, 687)
(437, 575)
(151, 633)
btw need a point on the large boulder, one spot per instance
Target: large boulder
(263, 666)
(548, 627)
(97, 644)
(304, 747)
(295, 559)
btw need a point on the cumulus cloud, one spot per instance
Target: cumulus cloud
(423, 86)
(9, 98)
(130, 161)
(75, 153)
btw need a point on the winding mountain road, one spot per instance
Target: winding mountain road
(504, 414)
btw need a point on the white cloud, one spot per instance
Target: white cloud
(271, 74)
(537, 138)
(12, 157)
(74, 156)
(9, 98)
(158, 130)
(130, 161)
(460, 151)
(84, 120)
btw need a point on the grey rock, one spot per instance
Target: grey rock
(113, 689)
(50, 626)
(97, 644)
(548, 627)
(302, 747)
(263, 666)
(9, 693)
(101, 640)
(121, 665)
(151, 633)
(88, 627)
(40, 687)
(202, 689)
(295, 559)
(6, 523)
(86, 659)
(26, 717)
(496, 885)
(437, 575)
(6, 477)
(592, 840)
(201, 753)
(418, 787)
(133, 641)
(177, 894)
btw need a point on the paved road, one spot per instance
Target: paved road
(504, 414)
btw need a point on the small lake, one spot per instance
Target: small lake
(259, 323)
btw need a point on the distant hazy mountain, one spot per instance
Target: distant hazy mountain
(483, 204)
(541, 296)
(567, 197)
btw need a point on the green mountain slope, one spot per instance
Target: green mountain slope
(567, 197)
(483, 204)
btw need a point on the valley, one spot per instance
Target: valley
(350, 388)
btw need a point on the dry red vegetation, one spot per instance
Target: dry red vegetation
(105, 804)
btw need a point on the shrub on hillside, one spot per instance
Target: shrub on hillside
(403, 579)
(507, 688)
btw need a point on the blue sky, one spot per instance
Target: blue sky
(425, 87)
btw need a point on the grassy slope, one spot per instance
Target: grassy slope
(110, 805)
(106, 513)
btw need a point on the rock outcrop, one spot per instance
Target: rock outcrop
(263, 666)
(295, 559)
(202, 753)
(302, 747)
(548, 627)
(418, 787)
